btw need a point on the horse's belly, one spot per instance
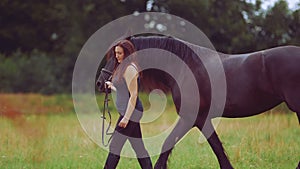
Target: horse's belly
(248, 108)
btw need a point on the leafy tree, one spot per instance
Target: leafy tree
(276, 25)
(224, 22)
(31, 25)
(40, 40)
(28, 73)
(294, 28)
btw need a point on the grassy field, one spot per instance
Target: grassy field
(44, 132)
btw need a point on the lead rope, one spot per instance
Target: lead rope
(105, 108)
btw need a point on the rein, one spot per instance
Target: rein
(106, 109)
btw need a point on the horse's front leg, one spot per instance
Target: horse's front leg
(215, 143)
(180, 129)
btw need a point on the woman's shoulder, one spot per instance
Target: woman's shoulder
(134, 66)
(131, 69)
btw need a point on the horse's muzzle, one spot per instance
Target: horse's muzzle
(101, 88)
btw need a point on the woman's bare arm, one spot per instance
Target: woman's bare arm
(131, 78)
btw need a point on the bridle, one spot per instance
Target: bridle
(105, 71)
(106, 109)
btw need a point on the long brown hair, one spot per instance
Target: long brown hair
(129, 50)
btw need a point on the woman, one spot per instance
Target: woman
(125, 81)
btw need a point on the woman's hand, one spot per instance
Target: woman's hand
(123, 123)
(110, 85)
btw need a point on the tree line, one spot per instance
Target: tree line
(40, 40)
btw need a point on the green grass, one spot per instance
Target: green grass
(57, 141)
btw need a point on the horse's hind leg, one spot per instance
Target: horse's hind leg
(181, 128)
(291, 107)
(215, 143)
(292, 100)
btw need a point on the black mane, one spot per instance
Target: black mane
(185, 51)
(178, 47)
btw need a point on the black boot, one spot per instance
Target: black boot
(111, 161)
(145, 163)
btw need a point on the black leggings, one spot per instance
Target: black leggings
(133, 133)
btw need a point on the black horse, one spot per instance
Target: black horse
(255, 83)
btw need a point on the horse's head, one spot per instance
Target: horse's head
(106, 73)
